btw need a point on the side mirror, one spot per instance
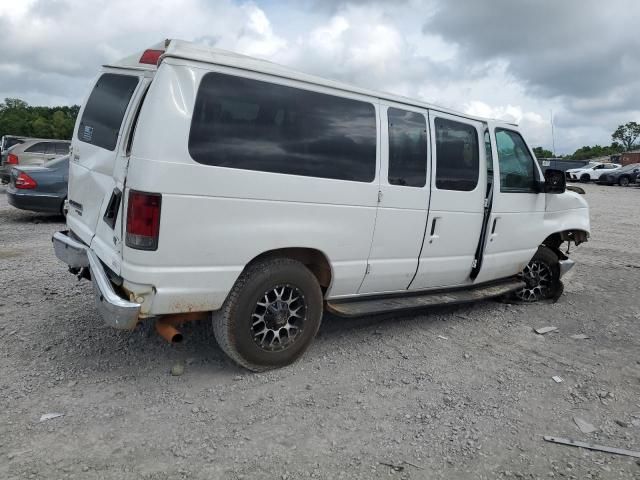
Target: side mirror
(554, 181)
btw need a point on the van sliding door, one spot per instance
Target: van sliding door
(458, 189)
(403, 199)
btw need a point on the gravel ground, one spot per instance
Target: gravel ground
(462, 392)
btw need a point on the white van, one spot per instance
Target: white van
(205, 184)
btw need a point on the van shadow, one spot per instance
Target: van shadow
(145, 349)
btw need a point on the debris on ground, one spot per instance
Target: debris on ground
(580, 336)
(591, 446)
(557, 379)
(543, 330)
(50, 416)
(584, 426)
(177, 369)
(443, 337)
(622, 423)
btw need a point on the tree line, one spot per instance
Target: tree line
(17, 117)
(624, 139)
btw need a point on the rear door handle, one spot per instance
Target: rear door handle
(432, 234)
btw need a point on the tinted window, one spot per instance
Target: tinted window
(104, 111)
(39, 147)
(50, 149)
(62, 148)
(407, 148)
(517, 167)
(457, 155)
(253, 125)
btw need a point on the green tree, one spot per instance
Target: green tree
(627, 134)
(542, 153)
(19, 118)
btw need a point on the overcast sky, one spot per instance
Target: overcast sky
(511, 59)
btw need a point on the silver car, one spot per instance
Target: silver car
(34, 152)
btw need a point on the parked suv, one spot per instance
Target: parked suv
(622, 176)
(591, 172)
(210, 185)
(34, 152)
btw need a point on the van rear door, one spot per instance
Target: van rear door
(99, 159)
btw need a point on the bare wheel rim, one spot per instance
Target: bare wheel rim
(538, 278)
(278, 318)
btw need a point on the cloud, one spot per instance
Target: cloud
(503, 59)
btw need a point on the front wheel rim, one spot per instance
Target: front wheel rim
(624, 182)
(538, 278)
(278, 318)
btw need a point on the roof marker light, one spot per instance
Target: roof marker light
(151, 57)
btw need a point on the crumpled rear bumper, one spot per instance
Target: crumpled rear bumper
(115, 311)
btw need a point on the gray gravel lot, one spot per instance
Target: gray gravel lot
(462, 392)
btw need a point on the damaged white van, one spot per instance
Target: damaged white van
(209, 185)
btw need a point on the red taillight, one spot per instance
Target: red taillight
(151, 57)
(25, 182)
(143, 220)
(12, 159)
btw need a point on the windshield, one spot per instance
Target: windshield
(56, 162)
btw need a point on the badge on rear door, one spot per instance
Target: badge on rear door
(87, 135)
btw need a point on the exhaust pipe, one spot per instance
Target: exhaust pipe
(166, 326)
(166, 329)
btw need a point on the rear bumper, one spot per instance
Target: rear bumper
(35, 202)
(114, 310)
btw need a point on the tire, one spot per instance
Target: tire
(542, 277)
(261, 301)
(623, 181)
(585, 178)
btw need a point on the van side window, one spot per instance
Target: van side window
(407, 148)
(105, 109)
(255, 125)
(517, 170)
(457, 155)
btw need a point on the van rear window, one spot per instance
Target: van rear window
(254, 125)
(105, 109)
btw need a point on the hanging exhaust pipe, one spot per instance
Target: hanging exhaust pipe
(168, 331)
(166, 326)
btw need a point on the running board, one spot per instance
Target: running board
(411, 301)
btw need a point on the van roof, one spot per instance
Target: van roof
(181, 49)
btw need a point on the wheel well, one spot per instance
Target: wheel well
(313, 259)
(556, 239)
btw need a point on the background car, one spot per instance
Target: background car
(40, 189)
(32, 152)
(622, 176)
(9, 141)
(591, 171)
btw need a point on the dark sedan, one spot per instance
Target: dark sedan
(40, 189)
(622, 176)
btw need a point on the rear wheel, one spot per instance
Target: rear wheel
(541, 277)
(585, 178)
(624, 181)
(271, 315)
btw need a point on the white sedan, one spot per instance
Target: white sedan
(591, 172)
